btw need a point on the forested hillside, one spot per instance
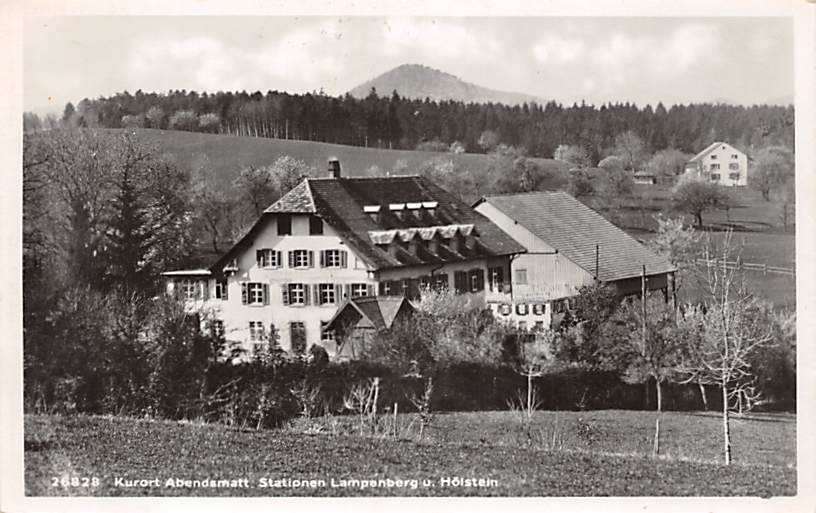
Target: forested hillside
(395, 122)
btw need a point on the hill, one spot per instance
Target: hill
(226, 155)
(419, 82)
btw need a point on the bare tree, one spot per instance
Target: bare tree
(722, 335)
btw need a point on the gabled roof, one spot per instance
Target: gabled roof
(341, 201)
(711, 147)
(574, 229)
(376, 312)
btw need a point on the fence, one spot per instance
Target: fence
(747, 266)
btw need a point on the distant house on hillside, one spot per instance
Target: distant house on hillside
(568, 245)
(720, 163)
(332, 239)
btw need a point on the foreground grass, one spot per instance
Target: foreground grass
(608, 459)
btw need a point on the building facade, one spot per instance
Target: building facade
(568, 246)
(331, 239)
(720, 163)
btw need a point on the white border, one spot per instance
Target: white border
(11, 16)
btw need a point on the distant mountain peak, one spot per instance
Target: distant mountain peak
(419, 81)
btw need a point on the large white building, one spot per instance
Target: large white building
(720, 163)
(568, 245)
(334, 238)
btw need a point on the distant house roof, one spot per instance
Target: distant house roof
(376, 312)
(574, 229)
(407, 205)
(711, 147)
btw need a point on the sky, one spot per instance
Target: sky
(641, 60)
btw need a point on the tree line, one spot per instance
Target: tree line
(391, 121)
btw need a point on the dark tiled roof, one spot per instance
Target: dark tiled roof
(378, 311)
(340, 202)
(574, 229)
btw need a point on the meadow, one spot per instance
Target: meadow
(597, 453)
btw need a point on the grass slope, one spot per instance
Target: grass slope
(227, 154)
(469, 445)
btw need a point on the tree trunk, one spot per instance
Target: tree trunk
(699, 218)
(656, 446)
(726, 426)
(529, 396)
(703, 395)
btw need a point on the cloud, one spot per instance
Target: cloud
(444, 38)
(303, 52)
(558, 50)
(212, 66)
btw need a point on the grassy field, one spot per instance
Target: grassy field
(601, 453)
(227, 155)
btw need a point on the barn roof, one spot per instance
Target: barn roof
(574, 230)
(408, 205)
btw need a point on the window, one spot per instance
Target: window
(715, 166)
(539, 326)
(476, 280)
(297, 332)
(256, 331)
(522, 325)
(189, 289)
(440, 281)
(296, 294)
(333, 258)
(521, 309)
(268, 258)
(734, 156)
(496, 278)
(284, 224)
(327, 293)
(520, 276)
(714, 157)
(359, 289)
(217, 328)
(733, 165)
(715, 177)
(254, 293)
(734, 176)
(315, 225)
(300, 259)
(326, 336)
(539, 309)
(386, 288)
(221, 290)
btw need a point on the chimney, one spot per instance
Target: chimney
(334, 167)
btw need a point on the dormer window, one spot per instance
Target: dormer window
(373, 211)
(415, 208)
(398, 209)
(430, 207)
(284, 224)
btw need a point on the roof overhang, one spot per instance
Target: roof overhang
(188, 272)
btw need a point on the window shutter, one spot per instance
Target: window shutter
(460, 281)
(266, 293)
(311, 258)
(291, 260)
(338, 292)
(306, 294)
(244, 294)
(381, 288)
(205, 287)
(480, 279)
(259, 257)
(285, 289)
(318, 300)
(347, 293)
(343, 259)
(278, 259)
(323, 258)
(370, 289)
(225, 290)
